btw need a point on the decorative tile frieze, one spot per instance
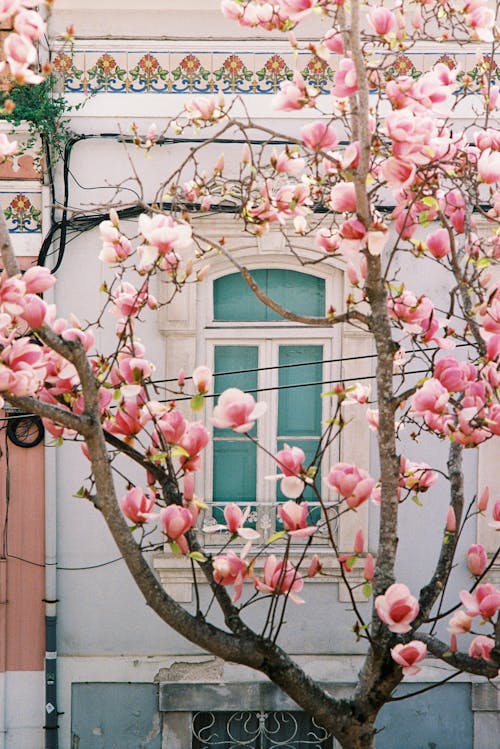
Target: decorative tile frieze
(247, 70)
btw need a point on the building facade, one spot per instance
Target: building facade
(84, 664)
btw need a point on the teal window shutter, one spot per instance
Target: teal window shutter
(235, 456)
(298, 292)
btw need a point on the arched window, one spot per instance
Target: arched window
(286, 365)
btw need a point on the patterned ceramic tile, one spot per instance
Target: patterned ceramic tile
(148, 72)
(71, 68)
(22, 211)
(234, 73)
(191, 73)
(271, 70)
(317, 73)
(106, 71)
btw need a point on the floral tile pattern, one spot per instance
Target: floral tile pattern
(239, 72)
(22, 211)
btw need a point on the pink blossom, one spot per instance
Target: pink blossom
(235, 520)
(333, 41)
(343, 198)
(476, 559)
(483, 499)
(165, 234)
(194, 440)
(417, 477)
(171, 426)
(451, 520)
(230, 569)
(136, 505)
(34, 310)
(345, 79)
(294, 517)
(353, 483)
(454, 375)
(8, 8)
(432, 396)
(397, 608)
(398, 173)
(38, 280)
(460, 623)
(292, 95)
(290, 460)
(369, 568)
(485, 601)
(488, 166)
(19, 51)
(29, 23)
(495, 516)
(237, 410)
(315, 566)
(176, 521)
(481, 647)
(382, 20)
(359, 542)
(280, 578)
(318, 136)
(408, 655)
(438, 243)
(202, 379)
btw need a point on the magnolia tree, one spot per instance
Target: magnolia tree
(374, 140)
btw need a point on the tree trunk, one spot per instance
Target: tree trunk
(358, 736)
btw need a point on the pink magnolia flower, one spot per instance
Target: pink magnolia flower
(136, 505)
(292, 95)
(481, 647)
(488, 166)
(294, 517)
(485, 601)
(235, 520)
(382, 20)
(460, 623)
(315, 566)
(230, 569)
(345, 79)
(280, 578)
(353, 483)
(408, 655)
(343, 197)
(369, 568)
(176, 521)
(194, 440)
(318, 136)
(451, 520)
(417, 477)
(172, 426)
(34, 310)
(495, 516)
(38, 279)
(432, 396)
(453, 374)
(202, 379)
(477, 559)
(438, 243)
(397, 608)
(237, 410)
(29, 23)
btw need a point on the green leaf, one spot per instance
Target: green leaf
(367, 590)
(416, 500)
(275, 537)
(175, 549)
(351, 561)
(197, 402)
(82, 493)
(178, 452)
(197, 556)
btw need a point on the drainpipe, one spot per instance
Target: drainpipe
(51, 714)
(50, 705)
